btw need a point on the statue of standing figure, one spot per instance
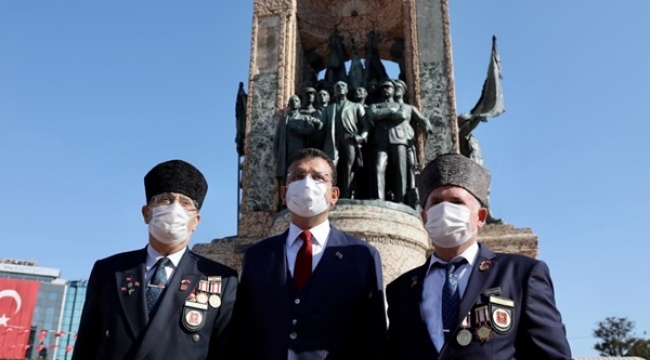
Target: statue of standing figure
(393, 138)
(347, 131)
(292, 134)
(415, 118)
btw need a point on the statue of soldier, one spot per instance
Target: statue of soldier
(317, 141)
(308, 101)
(392, 136)
(346, 131)
(292, 134)
(415, 116)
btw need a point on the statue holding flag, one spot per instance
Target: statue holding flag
(489, 105)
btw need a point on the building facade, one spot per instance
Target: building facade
(74, 301)
(44, 335)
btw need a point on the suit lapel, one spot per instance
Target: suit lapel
(171, 302)
(478, 281)
(335, 259)
(131, 292)
(277, 280)
(414, 310)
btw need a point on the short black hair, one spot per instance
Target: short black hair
(311, 153)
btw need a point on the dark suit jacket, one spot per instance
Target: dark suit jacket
(115, 325)
(537, 330)
(341, 316)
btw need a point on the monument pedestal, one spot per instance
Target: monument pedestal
(395, 230)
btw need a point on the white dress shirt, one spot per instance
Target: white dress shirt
(431, 305)
(152, 258)
(319, 235)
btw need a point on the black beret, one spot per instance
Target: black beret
(176, 176)
(456, 170)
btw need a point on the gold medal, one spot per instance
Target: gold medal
(484, 333)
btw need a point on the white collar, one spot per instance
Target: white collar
(469, 254)
(319, 233)
(153, 256)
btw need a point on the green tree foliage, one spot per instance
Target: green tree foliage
(640, 348)
(616, 338)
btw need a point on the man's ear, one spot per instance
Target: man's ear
(482, 216)
(146, 214)
(283, 194)
(196, 222)
(423, 214)
(336, 193)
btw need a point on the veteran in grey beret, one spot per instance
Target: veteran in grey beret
(475, 303)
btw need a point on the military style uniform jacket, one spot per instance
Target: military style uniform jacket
(115, 323)
(509, 298)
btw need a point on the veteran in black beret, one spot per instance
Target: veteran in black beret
(466, 301)
(162, 301)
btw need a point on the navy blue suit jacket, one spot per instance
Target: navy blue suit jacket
(115, 324)
(340, 316)
(537, 330)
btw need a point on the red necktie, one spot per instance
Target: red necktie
(302, 271)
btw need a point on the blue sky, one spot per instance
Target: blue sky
(93, 94)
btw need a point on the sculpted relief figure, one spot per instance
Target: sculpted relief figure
(308, 101)
(292, 134)
(415, 117)
(322, 100)
(394, 143)
(346, 131)
(390, 136)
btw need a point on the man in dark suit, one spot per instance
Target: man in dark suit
(347, 131)
(312, 292)
(467, 302)
(163, 301)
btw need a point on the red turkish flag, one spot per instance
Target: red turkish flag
(41, 336)
(17, 302)
(68, 348)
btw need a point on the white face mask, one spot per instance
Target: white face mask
(306, 197)
(448, 224)
(169, 223)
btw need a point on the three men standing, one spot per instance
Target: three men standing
(162, 301)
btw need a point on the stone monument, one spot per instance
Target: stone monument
(292, 40)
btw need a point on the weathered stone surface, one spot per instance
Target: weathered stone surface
(260, 162)
(508, 239)
(434, 75)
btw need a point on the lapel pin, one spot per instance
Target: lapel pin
(414, 281)
(339, 255)
(485, 265)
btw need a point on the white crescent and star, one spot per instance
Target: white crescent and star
(14, 295)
